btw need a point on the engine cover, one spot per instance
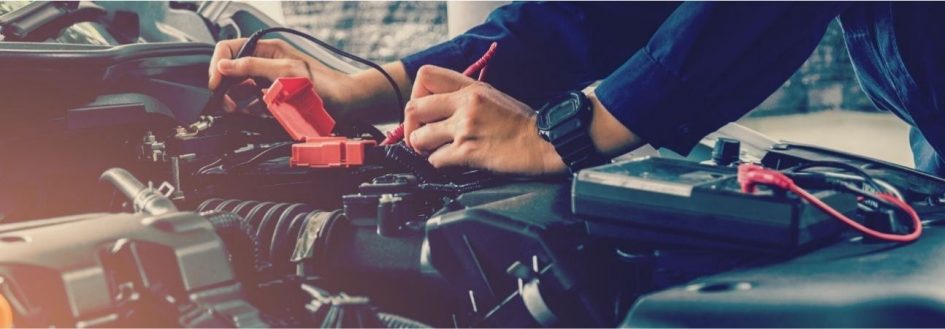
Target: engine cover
(170, 270)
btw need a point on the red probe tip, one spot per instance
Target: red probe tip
(480, 64)
(394, 136)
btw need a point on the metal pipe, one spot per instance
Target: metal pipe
(144, 199)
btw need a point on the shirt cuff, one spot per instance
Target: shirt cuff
(447, 54)
(652, 102)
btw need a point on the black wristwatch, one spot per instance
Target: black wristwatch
(564, 122)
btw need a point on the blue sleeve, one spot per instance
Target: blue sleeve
(546, 48)
(710, 63)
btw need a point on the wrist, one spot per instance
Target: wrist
(551, 161)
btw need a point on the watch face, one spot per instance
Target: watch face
(558, 113)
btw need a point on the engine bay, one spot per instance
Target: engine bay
(123, 204)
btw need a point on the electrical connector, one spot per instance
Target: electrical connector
(298, 108)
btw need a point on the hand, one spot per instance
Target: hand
(273, 59)
(462, 122)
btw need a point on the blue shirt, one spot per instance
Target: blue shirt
(673, 72)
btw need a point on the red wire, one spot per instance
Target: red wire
(480, 65)
(483, 62)
(750, 175)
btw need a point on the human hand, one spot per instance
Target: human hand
(462, 122)
(273, 59)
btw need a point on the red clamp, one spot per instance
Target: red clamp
(294, 103)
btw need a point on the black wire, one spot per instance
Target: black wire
(208, 166)
(259, 157)
(868, 195)
(849, 187)
(254, 160)
(357, 128)
(259, 34)
(846, 186)
(843, 166)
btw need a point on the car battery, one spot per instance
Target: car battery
(678, 202)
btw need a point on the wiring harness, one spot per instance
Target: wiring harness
(751, 175)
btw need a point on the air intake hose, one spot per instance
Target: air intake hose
(241, 245)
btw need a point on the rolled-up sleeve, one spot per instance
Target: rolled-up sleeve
(546, 48)
(710, 63)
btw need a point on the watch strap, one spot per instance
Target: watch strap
(577, 150)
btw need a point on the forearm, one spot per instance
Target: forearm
(371, 97)
(610, 137)
(546, 48)
(709, 64)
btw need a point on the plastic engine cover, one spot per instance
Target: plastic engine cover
(53, 275)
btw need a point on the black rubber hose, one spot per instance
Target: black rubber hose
(242, 247)
(328, 243)
(282, 240)
(275, 227)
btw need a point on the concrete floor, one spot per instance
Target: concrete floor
(878, 135)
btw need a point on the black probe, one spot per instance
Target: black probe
(216, 98)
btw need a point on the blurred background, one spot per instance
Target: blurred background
(821, 104)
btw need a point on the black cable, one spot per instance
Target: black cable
(249, 47)
(259, 157)
(839, 184)
(356, 128)
(870, 202)
(254, 160)
(820, 180)
(843, 166)
(863, 193)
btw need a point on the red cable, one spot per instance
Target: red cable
(750, 175)
(480, 65)
(483, 62)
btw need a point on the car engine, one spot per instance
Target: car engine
(123, 204)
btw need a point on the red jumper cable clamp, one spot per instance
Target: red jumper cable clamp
(301, 112)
